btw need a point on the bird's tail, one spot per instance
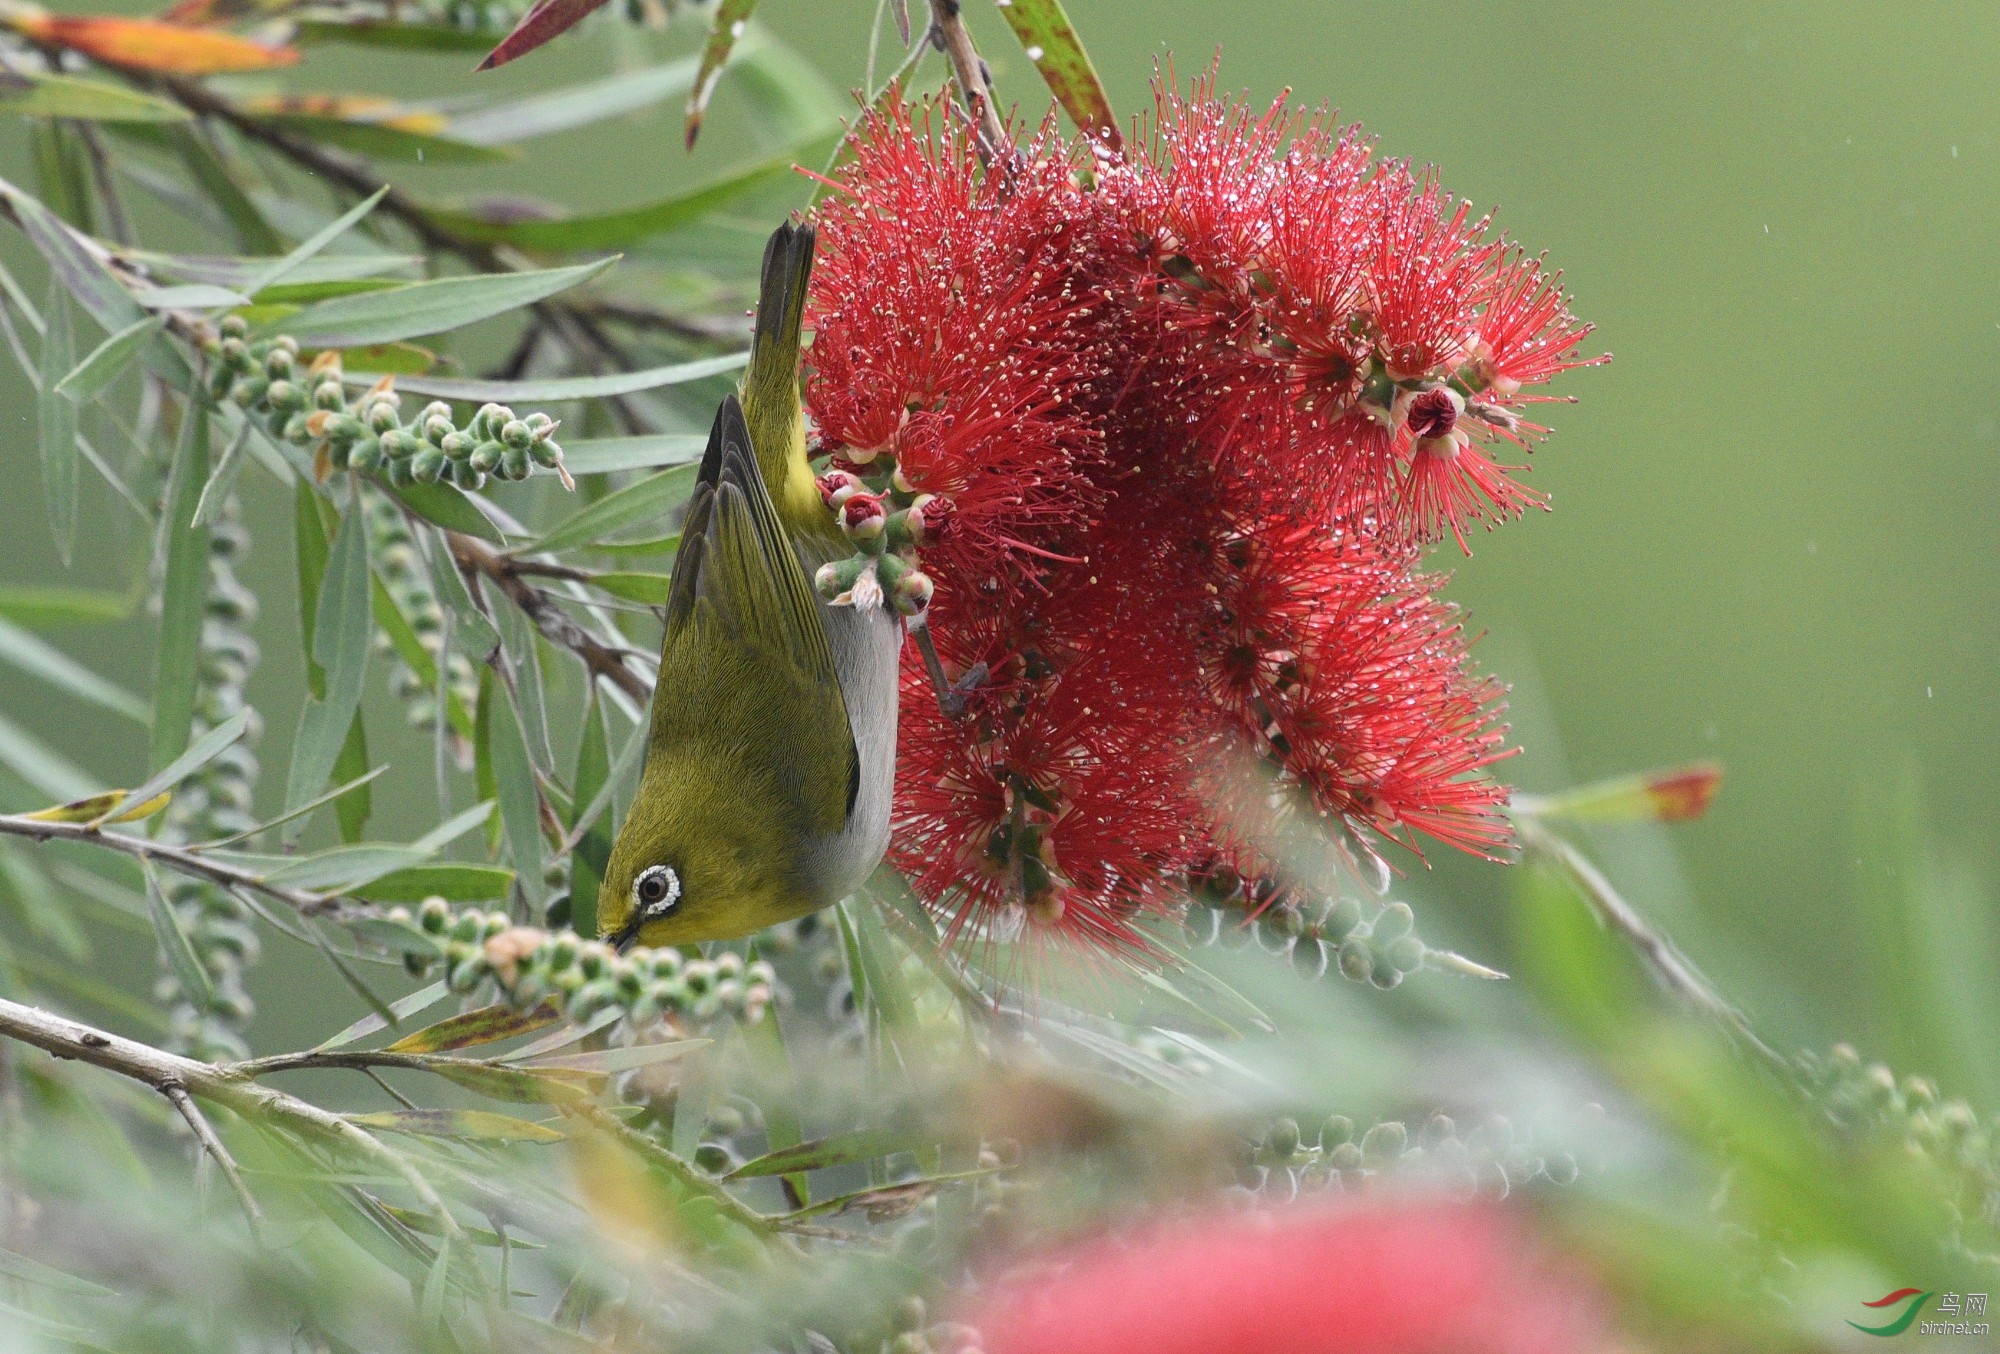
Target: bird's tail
(771, 385)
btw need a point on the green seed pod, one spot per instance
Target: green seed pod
(427, 465)
(514, 464)
(1356, 962)
(1395, 921)
(1405, 954)
(1386, 1141)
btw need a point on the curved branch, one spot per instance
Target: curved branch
(475, 558)
(948, 30)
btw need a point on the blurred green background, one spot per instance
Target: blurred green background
(1774, 542)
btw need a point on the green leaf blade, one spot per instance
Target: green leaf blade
(430, 307)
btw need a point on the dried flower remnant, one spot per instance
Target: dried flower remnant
(1190, 419)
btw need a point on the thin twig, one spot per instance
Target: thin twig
(222, 1085)
(204, 1133)
(476, 559)
(1673, 970)
(951, 35)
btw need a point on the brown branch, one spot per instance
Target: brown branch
(476, 559)
(204, 1133)
(220, 1085)
(949, 32)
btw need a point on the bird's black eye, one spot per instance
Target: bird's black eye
(657, 890)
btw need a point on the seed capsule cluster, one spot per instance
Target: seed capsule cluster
(887, 520)
(1489, 1161)
(394, 552)
(586, 977)
(1363, 942)
(306, 403)
(216, 802)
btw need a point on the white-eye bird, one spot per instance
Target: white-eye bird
(771, 753)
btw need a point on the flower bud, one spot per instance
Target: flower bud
(427, 465)
(837, 486)
(284, 396)
(927, 517)
(837, 577)
(516, 435)
(485, 457)
(514, 464)
(863, 517)
(365, 455)
(329, 396)
(465, 477)
(1386, 1141)
(234, 327)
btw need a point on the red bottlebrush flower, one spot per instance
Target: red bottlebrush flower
(1349, 672)
(958, 329)
(1399, 1277)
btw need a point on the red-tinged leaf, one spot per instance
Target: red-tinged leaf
(487, 1025)
(1679, 795)
(1684, 795)
(1052, 44)
(549, 19)
(523, 1086)
(151, 44)
(730, 18)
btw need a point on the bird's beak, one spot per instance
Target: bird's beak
(623, 940)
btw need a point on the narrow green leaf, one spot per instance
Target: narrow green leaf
(430, 307)
(277, 272)
(395, 33)
(402, 1009)
(92, 376)
(842, 1149)
(890, 1200)
(340, 869)
(471, 1125)
(573, 106)
(205, 750)
(452, 828)
(603, 455)
(543, 391)
(299, 294)
(241, 274)
(383, 141)
(612, 1061)
(487, 1025)
(650, 500)
(222, 480)
(443, 506)
(183, 590)
(190, 296)
(1051, 43)
(61, 175)
(175, 946)
(56, 419)
(731, 17)
(347, 787)
(451, 881)
(514, 785)
(650, 589)
(593, 850)
(37, 658)
(90, 284)
(518, 1084)
(778, 1096)
(30, 94)
(471, 631)
(41, 766)
(340, 645)
(310, 542)
(351, 768)
(218, 182)
(36, 605)
(403, 639)
(620, 229)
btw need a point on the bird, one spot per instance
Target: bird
(770, 754)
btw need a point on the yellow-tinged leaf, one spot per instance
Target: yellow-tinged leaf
(488, 1024)
(483, 1125)
(376, 112)
(151, 44)
(394, 359)
(101, 808)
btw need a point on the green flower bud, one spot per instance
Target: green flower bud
(1385, 975)
(1356, 962)
(699, 975)
(277, 363)
(514, 464)
(329, 396)
(1437, 1131)
(380, 414)
(561, 953)
(1385, 1142)
(1405, 954)
(545, 452)
(398, 473)
(250, 389)
(1282, 1140)
(235, 327)
(485, 457)
(465, 477)
(594, 996)
(667, 962)
(365, 455)
(1345, 1157)
(434, 914)
(469, 927)
(760, 971)
(396, 443)
(435, 409)
(285, 397)
(516, 434)
(1395, 920)
(1342, 920)
(427, 465)
(232, 353)
(1336, 1129)
(714, 1158)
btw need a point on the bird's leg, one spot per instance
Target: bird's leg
(951, 695)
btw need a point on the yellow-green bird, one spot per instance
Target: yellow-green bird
(772, 749)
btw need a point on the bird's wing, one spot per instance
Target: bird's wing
(745, 660)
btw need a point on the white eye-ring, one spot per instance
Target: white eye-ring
(657, 891)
